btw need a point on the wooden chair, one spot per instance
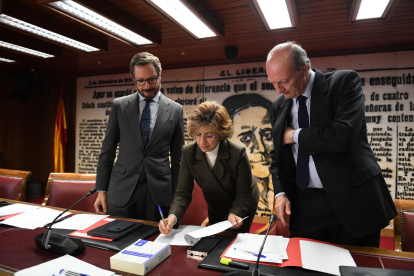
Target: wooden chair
(402, 240)
(13, 184)
(64, 189)
(197, 211)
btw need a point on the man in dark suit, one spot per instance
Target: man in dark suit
(147, 126)
(325, 175)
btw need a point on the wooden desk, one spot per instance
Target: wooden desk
(18, 251)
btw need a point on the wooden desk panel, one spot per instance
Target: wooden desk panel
(19, 251)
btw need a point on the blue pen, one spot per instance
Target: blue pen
(250, 253)
(162, 216)
(71, 273)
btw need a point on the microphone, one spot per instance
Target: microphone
(256, 271)
(58, 244)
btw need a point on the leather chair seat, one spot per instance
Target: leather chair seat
(9, 186)
(63, 193)
(408, 231)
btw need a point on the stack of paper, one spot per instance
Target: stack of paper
(247, 247)
(140, 257)
(34, 218)
(283, 252)
(68, 263)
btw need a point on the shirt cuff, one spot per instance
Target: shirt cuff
(296, 135)
(282, 193)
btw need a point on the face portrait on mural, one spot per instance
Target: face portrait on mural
(252, 127)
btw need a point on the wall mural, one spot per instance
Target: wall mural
(247, 95)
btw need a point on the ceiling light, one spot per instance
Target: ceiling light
(275, 14)
(24, 50)
(27, 27)
(7, 60)
(372, 9)
(183, 16)
(90, 17)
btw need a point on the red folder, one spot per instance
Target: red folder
(293, 252)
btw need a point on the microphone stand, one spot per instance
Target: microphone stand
(256, 270)
(59, 244)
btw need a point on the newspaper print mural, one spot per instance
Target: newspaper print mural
(388, 86)
(251, 115)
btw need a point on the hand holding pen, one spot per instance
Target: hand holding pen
(165, 225)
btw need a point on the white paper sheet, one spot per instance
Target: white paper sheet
(79, 222)
(324, 257)
(65, 262)
(34, 218)
(273, 244)
(177, 237)
(193, 237)
(16, 208)
(237, 250)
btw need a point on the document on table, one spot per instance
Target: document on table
(274, 244)
(241, 248)
(66, 262)
(79, 222)
(193, 237)
(34, 218)
(16, 208)
(177, 237)
(324, 257)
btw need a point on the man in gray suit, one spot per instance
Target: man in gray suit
(147, 126)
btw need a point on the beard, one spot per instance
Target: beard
(150, 92)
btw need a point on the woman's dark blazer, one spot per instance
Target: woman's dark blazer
(228, 188)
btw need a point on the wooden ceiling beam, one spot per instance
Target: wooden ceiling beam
(20, 39)
(120, 16)
(206, 15)
(17, 57)
(35, 17)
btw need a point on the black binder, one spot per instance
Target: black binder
(103, 231)
(143, 232)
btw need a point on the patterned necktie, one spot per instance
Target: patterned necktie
(302, 166)
(145, 131)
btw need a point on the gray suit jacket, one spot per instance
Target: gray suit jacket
(228, 188)
(123, 129)
(337, 141)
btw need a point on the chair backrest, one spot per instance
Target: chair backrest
(276, 229)
(197, 211)
(64, 189)
(404, 225)
(13, 184)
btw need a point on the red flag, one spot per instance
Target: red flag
(60, 140)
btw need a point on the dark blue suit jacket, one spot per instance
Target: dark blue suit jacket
(337, 140)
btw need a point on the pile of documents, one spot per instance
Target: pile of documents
(140, 257)
(247, 247)
(67, 263)
(284, 252)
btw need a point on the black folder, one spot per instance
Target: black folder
(369, 271)
(143, 232)
(103, 231)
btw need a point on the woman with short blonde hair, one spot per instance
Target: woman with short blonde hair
(220, 167)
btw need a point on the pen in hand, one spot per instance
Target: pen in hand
(162, 216)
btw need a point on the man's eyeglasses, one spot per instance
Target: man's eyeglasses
(150, 81)
(207, 136)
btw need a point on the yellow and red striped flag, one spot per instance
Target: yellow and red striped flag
(60, 140)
